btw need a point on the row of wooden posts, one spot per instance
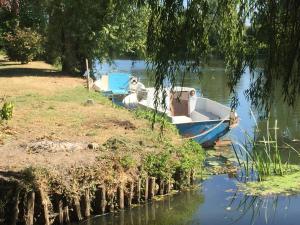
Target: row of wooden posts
(37, 209)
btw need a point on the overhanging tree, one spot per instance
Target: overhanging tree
(178, 42)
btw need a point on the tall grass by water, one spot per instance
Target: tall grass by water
(260, 159)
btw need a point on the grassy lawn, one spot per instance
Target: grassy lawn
(52, 107)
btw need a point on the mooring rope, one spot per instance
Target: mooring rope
(206, 132)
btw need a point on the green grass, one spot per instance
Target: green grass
(78, 95)
(155, 119)
(75, 95)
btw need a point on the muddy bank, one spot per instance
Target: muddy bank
(123, 173)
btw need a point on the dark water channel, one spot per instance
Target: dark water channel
(217, 201)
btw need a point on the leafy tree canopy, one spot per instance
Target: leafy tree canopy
(178, 41)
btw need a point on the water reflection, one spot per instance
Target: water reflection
(224, 205)
(255, 207)
(178, 209)
(216, 203)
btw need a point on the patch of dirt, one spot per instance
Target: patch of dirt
(5, 131)
(127, 125)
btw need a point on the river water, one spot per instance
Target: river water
(217, 201)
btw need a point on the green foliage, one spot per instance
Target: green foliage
(153, 117)
(23, 44)
(273, 36)
(182, 159)
(127, 161)
(124, 32)
(160, 165)
(6, 112)
(191, 155)
(76, 30)
(94, 29)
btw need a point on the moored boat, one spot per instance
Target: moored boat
(117, 85)
(197, 118)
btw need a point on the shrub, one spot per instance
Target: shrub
(160, 165)
(23, 45)
(191, 156)
(7, 111)
(127, 161)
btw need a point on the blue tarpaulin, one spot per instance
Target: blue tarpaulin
(118, 83)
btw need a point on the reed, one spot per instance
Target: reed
(260, 159)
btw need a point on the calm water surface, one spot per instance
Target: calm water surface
(218, 201)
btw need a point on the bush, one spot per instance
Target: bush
(23, 45)
(7, 111)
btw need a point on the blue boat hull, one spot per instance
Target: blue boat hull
(214, 128)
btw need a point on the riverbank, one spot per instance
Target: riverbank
(68, 153)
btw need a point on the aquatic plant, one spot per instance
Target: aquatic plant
(262, 158)
(273, 185)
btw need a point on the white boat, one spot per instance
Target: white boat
(195, 117)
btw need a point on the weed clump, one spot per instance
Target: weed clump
(6, 112)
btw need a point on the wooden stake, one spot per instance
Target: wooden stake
(146, 188)
(168, 188)
(66, 214)
(30, 208)
(161, 186)
(77, 209)
(15, 211)
(45, 207)
(103, 199)
(188, 178)
(121, 196)
(87, 203)
(111, 202)
(152, 187)
(60, 212)
(138, 191)
(130, 194)
(192, 177)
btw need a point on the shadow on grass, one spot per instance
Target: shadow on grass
(22, 72)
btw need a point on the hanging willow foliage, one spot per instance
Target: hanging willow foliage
(178, 42)
(275, 31)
